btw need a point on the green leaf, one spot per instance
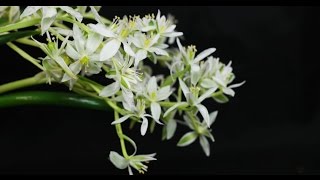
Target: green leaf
(16, 35)
(220, 98)
(187, 139)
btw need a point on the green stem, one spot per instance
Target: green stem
(27, 41)
(120, 135)
(54, 32)
(72, 21)
(19, 25)
(193, 120)
(52, 98)
(91, 16)
(31, 81)
(25, 55)
(60, 25)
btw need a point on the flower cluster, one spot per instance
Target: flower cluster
(120, 49)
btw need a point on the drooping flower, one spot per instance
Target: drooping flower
(201, 131)
(134, 161)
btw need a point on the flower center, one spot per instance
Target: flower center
(84, 60)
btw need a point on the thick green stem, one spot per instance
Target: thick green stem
(52, 98)
(31, 81)
(27, 41)
(19, 25)
(120, 135)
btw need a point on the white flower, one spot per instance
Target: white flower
(135, 161)
(53, 51)
(192, 60)
(124, 77)
(202, 132)
(147, 23)
(136, 110)
(165, 27)
(156, 94)
(145, 44)
(191, 94)
(83, 51)
(117, 34)
(49, 14)
(219, 75)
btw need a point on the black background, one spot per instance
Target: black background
(271, 126)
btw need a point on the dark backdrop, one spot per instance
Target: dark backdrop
(271, 126)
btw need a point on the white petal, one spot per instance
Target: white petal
(130, 171)
(204, 112)
(187, 139)
(110, 90)
(170, 28)
(184, 88)
(110, 49)
(228, 91)
(29, 10)
(72, 12)
(204, 54)
(71, 52)
(102, 29)
(213, 117)
(164, 93)
(49, 15)
(93, 42)
(181, 49)
(156, 111)
(78, 38)
(158, 15)
(76, 67)
(154, 40)
(65, 67)
(128, 49)
(172, 34)
(118, 161)
(208, 83)
(171, 128)
(144, 126)
(148, 28)
(174, 107)
(152, 85)
(158, 51)
(195, 74)
(144, 157)
(237, 85)
(207, 94)
(141, 55)
(122, 119)
(205, 145)
(97, 17)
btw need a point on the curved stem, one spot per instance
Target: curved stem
(31, 81)
(52, 98)
(120, 135)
